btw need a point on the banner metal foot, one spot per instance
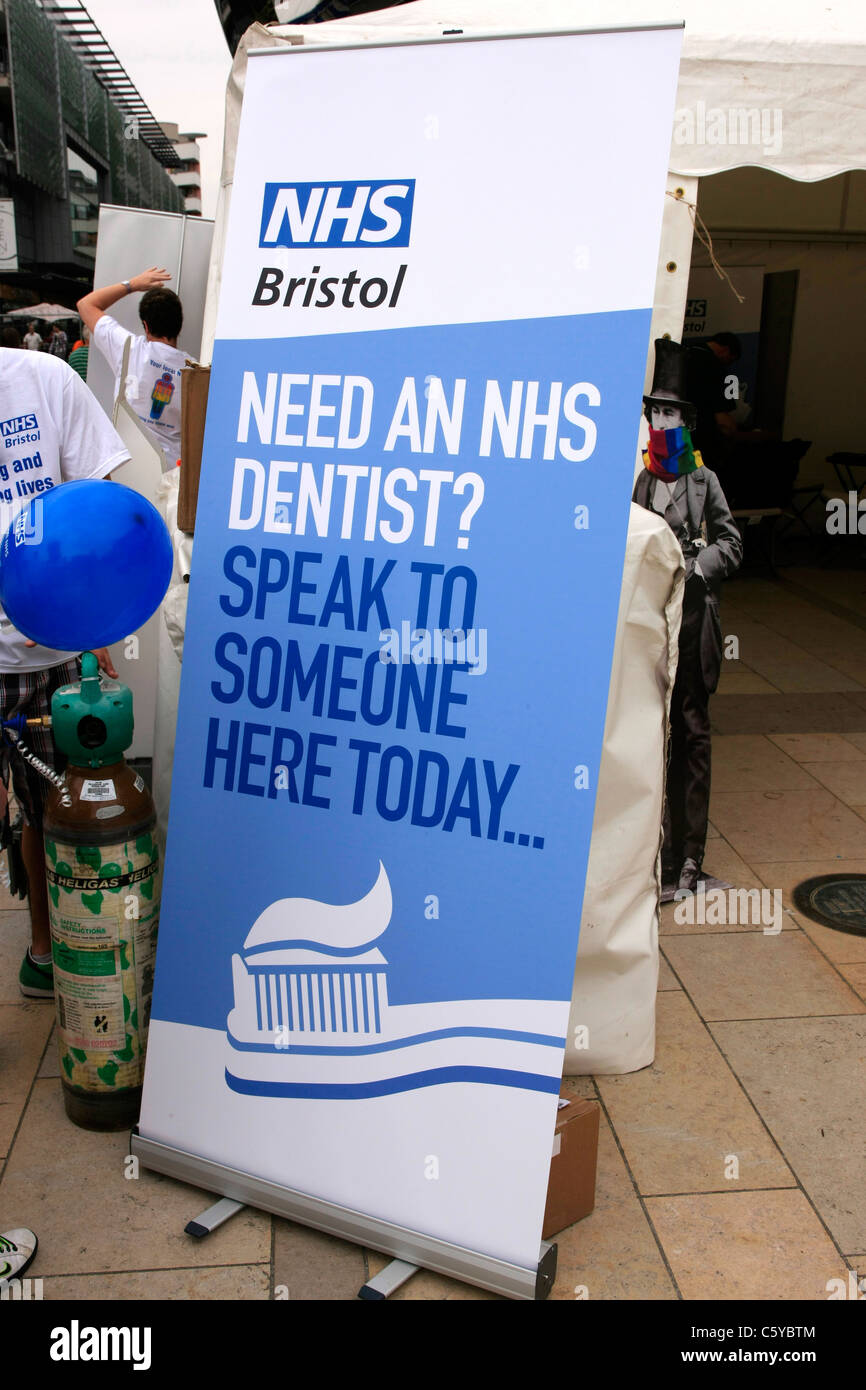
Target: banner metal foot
(213, 1217)
(388, 1280)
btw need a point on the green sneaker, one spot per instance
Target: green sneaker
(17, 1249)
(36, 981)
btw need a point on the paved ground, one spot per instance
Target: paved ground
(734, 1167)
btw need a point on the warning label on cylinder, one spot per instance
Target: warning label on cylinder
(89, 998)
(104, 916)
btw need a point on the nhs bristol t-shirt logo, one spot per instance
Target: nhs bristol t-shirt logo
(312, 1016)
(375, 214)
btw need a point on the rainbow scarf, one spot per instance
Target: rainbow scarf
(670, 454)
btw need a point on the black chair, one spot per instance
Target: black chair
(846, 467)
(800, 500)
(764, 492)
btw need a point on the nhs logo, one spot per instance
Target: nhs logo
(337, 214)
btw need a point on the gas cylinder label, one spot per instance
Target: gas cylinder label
(97, 790)
(101, 882)
(89, 1000)
(104, 914)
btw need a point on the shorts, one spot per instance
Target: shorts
(29, 693)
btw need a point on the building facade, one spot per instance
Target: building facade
(187, 175)
(74, 133)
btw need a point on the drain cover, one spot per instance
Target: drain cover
(835, 900)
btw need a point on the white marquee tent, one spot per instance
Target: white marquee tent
(804, 58)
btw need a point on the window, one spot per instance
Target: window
(83, 203)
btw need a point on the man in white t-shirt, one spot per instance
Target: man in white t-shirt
(32, 339)
(52, 431)
(155, 360)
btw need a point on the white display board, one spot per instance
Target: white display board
(130, 240)
(8, 237)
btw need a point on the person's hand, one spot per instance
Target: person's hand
(150, 279)
(103, 656)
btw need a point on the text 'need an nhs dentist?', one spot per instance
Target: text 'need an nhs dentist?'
(342, 679)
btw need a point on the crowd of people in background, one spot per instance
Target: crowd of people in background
(55, 341)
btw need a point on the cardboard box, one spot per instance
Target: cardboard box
(571, 1187)
(195, 381)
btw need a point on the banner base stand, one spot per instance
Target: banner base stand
(213, 1217)
(408, 1247)
(388, 1280)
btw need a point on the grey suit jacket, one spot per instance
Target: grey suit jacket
(720, 557)
(705, 503)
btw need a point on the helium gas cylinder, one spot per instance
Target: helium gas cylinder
(102, 866)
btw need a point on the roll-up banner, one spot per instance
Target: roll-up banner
(418, 461)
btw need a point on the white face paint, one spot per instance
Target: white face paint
(666, 417)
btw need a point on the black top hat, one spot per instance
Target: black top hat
(669, 376)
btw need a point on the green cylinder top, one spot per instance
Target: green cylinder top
(91, 721)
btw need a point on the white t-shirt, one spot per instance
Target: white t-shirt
(152, 381)
(52, 430)
(32, 341)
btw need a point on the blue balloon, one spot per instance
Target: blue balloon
(84, 565)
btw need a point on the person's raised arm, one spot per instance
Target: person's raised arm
(94, 305)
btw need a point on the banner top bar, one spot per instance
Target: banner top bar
(459, 36)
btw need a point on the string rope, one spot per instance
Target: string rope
(702, 232)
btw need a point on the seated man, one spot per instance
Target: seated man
(688, 495)
(152, 385)
(721, 432)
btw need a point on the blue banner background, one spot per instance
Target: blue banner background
(547, 595)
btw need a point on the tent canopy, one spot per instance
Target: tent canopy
(49, 313)
(778, 86)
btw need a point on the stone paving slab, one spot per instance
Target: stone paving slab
(68, 1184)
(223, 1282)
(24, 1030)
(758, 976)
(788, 825)
(679, 1120)
(311, 1265)
(746, 1245)
(806, 1076)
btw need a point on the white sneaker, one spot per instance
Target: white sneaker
(17, 1249)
